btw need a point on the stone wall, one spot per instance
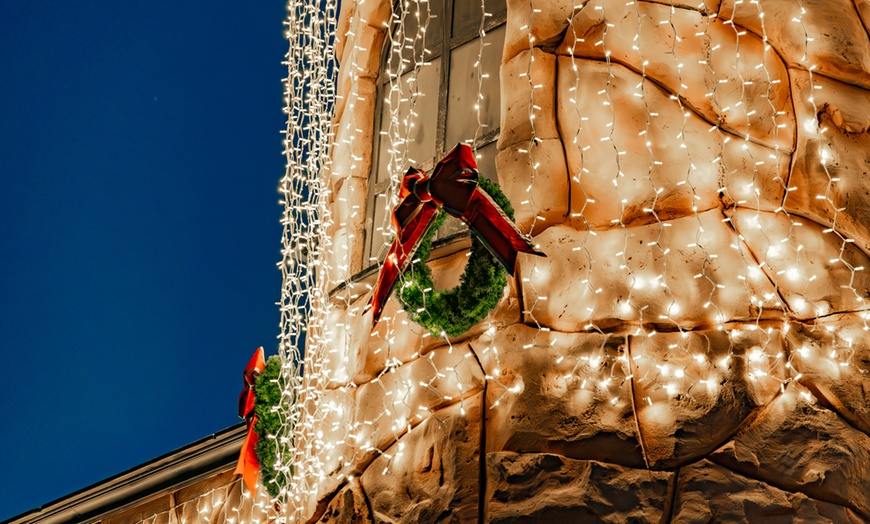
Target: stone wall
(694, 347)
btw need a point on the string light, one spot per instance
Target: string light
(307, 247)
(231, 503)
(683, 256)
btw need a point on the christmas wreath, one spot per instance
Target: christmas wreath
(452, 312)
(267, 391)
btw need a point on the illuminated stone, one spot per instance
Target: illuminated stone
(813, 271)
(628, 165)
(349, 506)
(352, 151)
(725, 78)
(629, 277)
(535, 23)
(835, 131)
(402, 397)
(430, 474)
(361, 59)
(554, 392)
(528, 77)
(797, 445)
(837, 47)
(694, 390)
(535, 179)
(833, 357)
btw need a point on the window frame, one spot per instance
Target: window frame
(449, 42)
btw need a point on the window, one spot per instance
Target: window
(427, 95)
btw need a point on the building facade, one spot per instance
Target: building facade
(694, 345)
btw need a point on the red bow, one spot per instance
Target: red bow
(248, 466)
(453, 187)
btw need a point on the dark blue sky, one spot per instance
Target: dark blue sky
(139, 159)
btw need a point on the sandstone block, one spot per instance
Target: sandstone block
(651, 276)
(705, 490)
(535, 179)
(533, 487)
(361, 59)
(726, 78)
(446, 271)
(402, 397)
(863, 7)
(637, 155)
(375, 13)
(559, 393)
(432, 473)
(348, 203)
(343, 255)
(342, 26)
(814, 272)
(705, 7)
(347, 507)
(535, 23)
(832, 356)
(796, 445)
(323, 443)
(353, 15)
(694, 389)
(361, 353)
(352, 145)
(831, 177)
(838, 45)
(527, 98)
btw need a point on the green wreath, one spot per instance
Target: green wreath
(267, 395)
(455, 311)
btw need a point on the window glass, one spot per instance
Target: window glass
(381, 230)
(415, 131)
(417, 15)
(416, 120)
(467, 13)
(463, 88)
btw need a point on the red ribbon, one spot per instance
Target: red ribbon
(248, 466)
(453, 187)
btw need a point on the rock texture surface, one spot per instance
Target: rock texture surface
(539, 487)
(706, 491)
(694, 347)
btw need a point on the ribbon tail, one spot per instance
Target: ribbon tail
(386, 282)
(500, 236)
(401, 252)
(248, 466)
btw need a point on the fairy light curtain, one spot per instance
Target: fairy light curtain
(309, 104)
(228, 504)
(681, 165)
(324, 436)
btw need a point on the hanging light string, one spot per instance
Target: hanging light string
(232, 504)
(655, 345)
(309, 97)
(481, 76)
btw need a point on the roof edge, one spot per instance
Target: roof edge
(169, 472)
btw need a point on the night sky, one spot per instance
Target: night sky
(140, 154)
